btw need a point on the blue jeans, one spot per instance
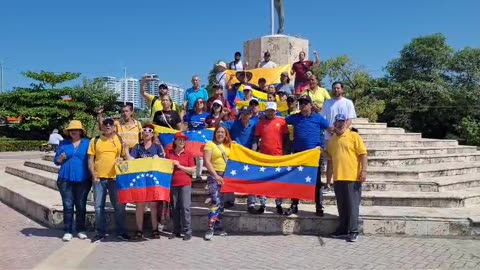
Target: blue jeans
(74, 194)
(100, 194)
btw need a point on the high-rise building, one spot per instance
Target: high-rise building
(151, 87)
(176, 93)
(129, 91)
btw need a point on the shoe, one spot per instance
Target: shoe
(124, 237)
(261, 210)
(252, 210)
(187, 237)
(82, 235)
(228, 205)
(220, 233)
(352, 237)
(294, 208)
(279, 210)
(156, 234)
(319, 211)
(208, 235)
(138, 236)
(67, 237)
(173, 235)
(338, 235)
(98, 238)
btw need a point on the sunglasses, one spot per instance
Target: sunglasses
(148, 130)
(108, 124)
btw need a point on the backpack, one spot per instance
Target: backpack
(155, 98)
(119, 138)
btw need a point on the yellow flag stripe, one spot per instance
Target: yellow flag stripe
(144, 165)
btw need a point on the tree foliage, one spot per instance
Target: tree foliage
(50, 78)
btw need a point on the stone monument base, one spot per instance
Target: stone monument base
(283, 49)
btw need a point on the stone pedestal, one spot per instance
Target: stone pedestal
(283, 49)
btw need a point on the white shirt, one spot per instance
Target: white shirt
(55, 138)
(221, 79)
(332, 107)
(238, 66)
(269, 64)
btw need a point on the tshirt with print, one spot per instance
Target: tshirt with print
(168, 119)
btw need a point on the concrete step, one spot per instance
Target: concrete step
(375, 130)
(422, 159)
(39, 176)
(370, 125)
(392, 137)
(376, 143)
(360, 120)
(423, 171)
(44, 205)
(409, 151)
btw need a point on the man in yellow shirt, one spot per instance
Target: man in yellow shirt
(154, 101)
(347, 162)
(103, 152)
(127, 127)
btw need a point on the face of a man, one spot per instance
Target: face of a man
(237, 57)
(255, 109)
(337, 90)
(339, 127)
(162, 91)
(266, 58)
(108, 128)
(245, 117)
(305, 106)
(301, 56)
(270, 114)
(196, 82)
(126, 113)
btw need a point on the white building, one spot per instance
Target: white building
(129, 91)
(151, 87)
(176, 93)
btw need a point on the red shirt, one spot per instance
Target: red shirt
(271, 133)
(300, 69)
(179, 177)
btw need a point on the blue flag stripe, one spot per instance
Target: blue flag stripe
(144, 180)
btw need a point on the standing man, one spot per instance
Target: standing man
(237, 64)
(221, 77)
(154, 101)
(194, 93)
(103, 152)
(302, 69)
(308, 128)
(127, 127)
(242, 131)
(348, 156)
(266, 63)
(272, 133)
(54, 140)
(338, 105)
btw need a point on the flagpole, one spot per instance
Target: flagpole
(272, 18)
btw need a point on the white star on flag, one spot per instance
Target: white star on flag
(308, 179)
(300, 168)
(289, 168)
(156, 182)
(203, 136)
(199, 132)
(131, 184)
(143, 175)
(138, 176)
(134, 180)
(233, 172)
(278, 169)
(262, 169)
(246, 168)
(155, 178)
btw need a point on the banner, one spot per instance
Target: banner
(144, 180)
(195, 143)
(271, 75)
(290, 176)
(282, 106)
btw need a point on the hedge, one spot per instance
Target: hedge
(12, 146)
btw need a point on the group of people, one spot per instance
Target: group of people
(318, 120)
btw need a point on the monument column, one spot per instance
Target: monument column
(283, 49)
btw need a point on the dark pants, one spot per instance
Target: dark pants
(100, 194)
(74, 194)
(318, 188)
(181, 200)
(349, 195)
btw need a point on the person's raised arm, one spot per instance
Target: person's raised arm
(317, 59)
(145, 95)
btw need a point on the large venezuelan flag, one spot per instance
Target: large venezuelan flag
(196, 138)
(290, 176)
(144, 180)
(281, 106)
(271, 75)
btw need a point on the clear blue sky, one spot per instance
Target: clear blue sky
(177, 39)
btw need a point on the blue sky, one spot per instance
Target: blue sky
(176, 39)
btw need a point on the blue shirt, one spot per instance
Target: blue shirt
(307, 131)
(191, 96)
(241, 134)
(75, 167)
(195, 121)
(139, 151)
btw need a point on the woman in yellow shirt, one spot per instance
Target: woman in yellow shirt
(215, 156)
(316, 93)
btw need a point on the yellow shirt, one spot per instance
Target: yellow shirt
(157, 106)
(106, 152)
(217, 160)
(319, 97)
(129, 134)
(344, 151)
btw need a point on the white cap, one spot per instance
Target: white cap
(247, 87)
(217, 101)
(221, 64)
(271, 106)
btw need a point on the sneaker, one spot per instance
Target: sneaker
(338, 235)
(156, 234)
(352, 237)
(279, 210)
(98, 238)
(220, 233)
(261, 210)
(208, 235)
(137, 237)
(67, 237)
(82, 235)
(252, 210)
(187, 237)
(319, 211)
(124, 237)
(173, 235)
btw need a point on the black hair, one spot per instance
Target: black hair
(262, 80)
(238, 53)
(341, 84)
(129, 106)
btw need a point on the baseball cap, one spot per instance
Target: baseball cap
(108, 120)
(340, 117)
(217, 102)
(247, 87)
(305, 99)
(221, 64)
(267, 54)
(217, 86)
(163, 86)
(271, 106)
(238, 53)
(291, 99)
(284, 74)
(180, 135)
(245, 110)
(253, 102)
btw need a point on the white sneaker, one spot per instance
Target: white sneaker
(82, 235)
(67, 237)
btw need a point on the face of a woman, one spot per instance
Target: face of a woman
(217, 107)
(166, 103)
(180, 142)
(271, 89)
(200, 104)
(147, 133)
(271, 98)
(313, 82)
(75, 134)
(220, 135)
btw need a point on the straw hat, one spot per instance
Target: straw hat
(74, 124)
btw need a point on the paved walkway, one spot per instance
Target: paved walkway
(26, 244)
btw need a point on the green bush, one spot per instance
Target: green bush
(12, 146)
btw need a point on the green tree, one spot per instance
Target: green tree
(465, 67)
(50, 78)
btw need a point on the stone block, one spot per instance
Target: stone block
(283, 49)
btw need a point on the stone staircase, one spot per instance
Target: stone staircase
(415, 186)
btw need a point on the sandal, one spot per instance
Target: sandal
(138, 236)
(156, 234)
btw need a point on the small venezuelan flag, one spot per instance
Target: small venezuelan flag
(144, 180)
(196, 138)
(290, 176)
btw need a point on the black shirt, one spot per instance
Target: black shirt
(168, 119)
